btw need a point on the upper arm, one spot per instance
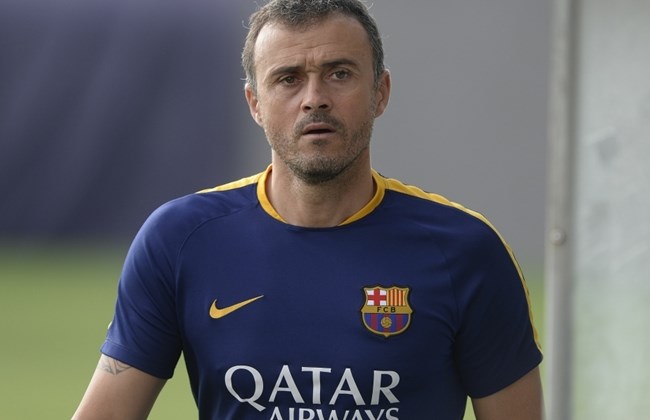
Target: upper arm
(118, 391)
(523, 400)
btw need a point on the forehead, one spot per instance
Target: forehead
(334, 37)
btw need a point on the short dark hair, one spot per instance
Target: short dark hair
(302, 14)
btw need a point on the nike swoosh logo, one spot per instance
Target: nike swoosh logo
(217, 313)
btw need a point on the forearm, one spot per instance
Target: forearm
(118, 391)
(523, 400)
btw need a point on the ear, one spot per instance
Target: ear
(383, 93)
(253, 104)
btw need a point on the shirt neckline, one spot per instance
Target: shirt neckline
(363, 212)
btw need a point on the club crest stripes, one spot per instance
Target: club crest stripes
(386, 310)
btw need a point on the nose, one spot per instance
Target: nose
(316, 97)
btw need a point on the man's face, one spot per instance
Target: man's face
(316, 96)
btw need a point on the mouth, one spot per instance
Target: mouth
(318, 129)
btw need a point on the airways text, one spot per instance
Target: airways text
(310, 402)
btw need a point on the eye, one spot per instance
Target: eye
(340, 74)
(288, 80)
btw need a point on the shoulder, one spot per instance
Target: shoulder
(178, 218)
(428, 207)
(459, 231)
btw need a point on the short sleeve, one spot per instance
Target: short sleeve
(144, 332)
(496, 343)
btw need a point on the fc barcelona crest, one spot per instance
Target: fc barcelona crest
(386, 310)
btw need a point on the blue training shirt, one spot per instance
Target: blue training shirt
(400, 312)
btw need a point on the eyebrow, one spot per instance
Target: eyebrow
(327, 64)
(340, 62)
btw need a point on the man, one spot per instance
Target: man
(319, 289)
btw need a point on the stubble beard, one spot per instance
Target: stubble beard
(322, 168)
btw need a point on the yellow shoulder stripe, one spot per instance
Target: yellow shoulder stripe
(233, 185)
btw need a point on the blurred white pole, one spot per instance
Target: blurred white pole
(558, 268)
(598, 253)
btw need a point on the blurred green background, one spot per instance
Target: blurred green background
(56, 303)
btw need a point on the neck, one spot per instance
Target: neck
(326, 204)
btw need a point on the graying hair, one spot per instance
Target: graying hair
(303, 14)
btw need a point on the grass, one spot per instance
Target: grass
(53, 306)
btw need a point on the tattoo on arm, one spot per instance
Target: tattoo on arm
(112, 366)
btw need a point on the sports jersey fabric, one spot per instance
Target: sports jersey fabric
(400, 312)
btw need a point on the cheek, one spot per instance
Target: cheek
(360, 113)
(280, 114)
(274, 112)
(276, 124)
